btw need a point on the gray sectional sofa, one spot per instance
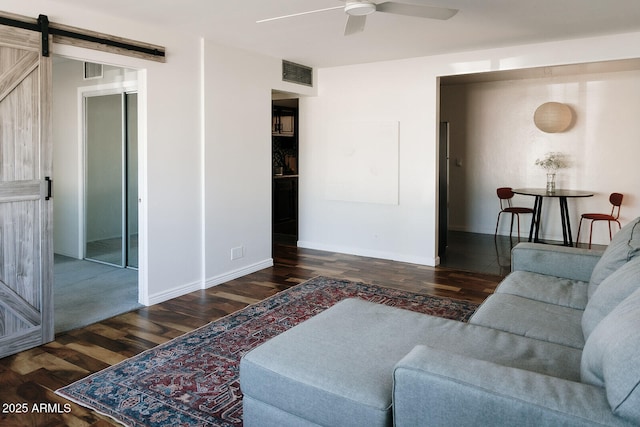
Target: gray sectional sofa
(558, 343)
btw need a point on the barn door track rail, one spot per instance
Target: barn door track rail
(64, 34)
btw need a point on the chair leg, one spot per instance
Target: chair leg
(511, 228)
(495, 235)
(610, 235)
(591, 233)
(518, 217)
(578, 236)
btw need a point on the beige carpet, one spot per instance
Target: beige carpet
(87, 292)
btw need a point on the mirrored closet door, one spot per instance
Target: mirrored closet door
(111, 179)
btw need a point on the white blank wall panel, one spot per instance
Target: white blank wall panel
(362, 162)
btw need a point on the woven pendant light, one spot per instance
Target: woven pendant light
(553, 117)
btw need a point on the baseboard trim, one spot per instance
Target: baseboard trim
(240, 272)
(392, 256)
(213, 281)
(173, 293)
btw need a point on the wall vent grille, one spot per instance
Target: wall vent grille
(92, 71)
(296, 73)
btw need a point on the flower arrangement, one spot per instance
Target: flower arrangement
(553, 161)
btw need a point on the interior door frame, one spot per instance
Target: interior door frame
(120, 88)
(80, 54)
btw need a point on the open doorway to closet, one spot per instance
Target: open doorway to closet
(95, 156)
(284, 143)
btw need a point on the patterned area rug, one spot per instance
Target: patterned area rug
(192, 380)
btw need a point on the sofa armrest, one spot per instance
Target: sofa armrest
(441, 388)
(560, 261)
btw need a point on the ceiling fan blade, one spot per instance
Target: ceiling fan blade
(299, 14)
(355, 24)
(416, 10)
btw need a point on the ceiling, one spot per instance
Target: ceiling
(317, 40)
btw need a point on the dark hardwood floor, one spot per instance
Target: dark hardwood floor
(31, 377)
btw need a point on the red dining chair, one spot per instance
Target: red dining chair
(505, 194)
(616, 200)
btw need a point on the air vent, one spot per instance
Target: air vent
(296, 73)
(92, 71)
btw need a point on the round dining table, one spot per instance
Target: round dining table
(562, 196)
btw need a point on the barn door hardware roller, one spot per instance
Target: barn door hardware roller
(43, 24)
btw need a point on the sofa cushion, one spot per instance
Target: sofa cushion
(552, 260)
(611, 358)
(443, 388)
(611, 292)
(549, 289)
(532, 319)
(624, 246)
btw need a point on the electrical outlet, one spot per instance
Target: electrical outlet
(237, 252)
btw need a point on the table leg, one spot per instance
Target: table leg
(535, 222)
(566, 224)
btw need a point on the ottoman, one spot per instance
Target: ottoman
(333, 369)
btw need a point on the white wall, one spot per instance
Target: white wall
(408, 91)
(384, 92)
(493, 134)
(67, 159)
(237, 175)
(237, 159)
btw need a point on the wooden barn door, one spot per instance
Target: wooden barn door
(26, 253)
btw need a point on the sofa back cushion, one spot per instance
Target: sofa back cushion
(624, 246)
(611, 358)
(611, 292)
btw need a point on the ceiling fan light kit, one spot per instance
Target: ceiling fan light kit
(359, 8)
(357, 11)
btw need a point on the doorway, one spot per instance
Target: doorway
(95, 156)
(284, 144)
(443, 188)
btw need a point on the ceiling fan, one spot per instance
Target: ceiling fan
(357, 11)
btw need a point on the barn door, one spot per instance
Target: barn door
(26, 253)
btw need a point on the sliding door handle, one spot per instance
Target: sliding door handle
(49, 187)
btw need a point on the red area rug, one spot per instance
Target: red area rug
(193, 380)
